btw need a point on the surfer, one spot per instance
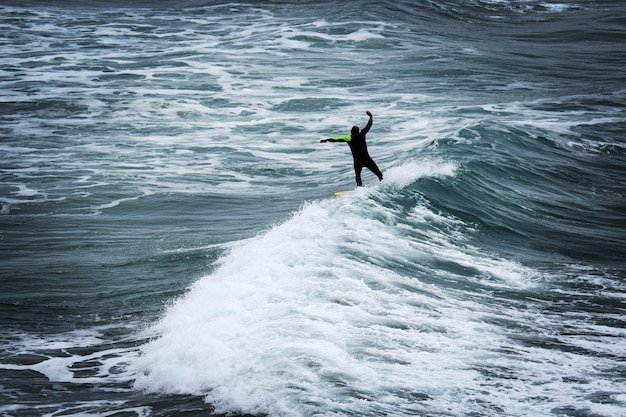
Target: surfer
(361, 157)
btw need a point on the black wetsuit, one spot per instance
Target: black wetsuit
(361, 157)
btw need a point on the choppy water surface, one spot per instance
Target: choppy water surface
(171, 244)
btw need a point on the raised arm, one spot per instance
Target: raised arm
(369, 123)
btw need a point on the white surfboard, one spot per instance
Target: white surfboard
(340, 194)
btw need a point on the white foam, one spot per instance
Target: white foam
(408, 172)
(306, 316)
(59, 365)
(25, 191)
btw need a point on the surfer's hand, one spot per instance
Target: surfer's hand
(322, 140)
(369, 113)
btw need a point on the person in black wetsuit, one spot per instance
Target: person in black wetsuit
(361, 157)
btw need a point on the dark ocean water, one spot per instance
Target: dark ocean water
(170, 244)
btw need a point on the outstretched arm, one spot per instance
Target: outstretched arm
(339, 139)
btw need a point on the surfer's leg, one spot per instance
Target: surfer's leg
(371, 165)
(357, 171)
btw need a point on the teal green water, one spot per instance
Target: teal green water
(170, 243)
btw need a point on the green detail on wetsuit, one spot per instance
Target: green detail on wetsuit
(347, 138)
